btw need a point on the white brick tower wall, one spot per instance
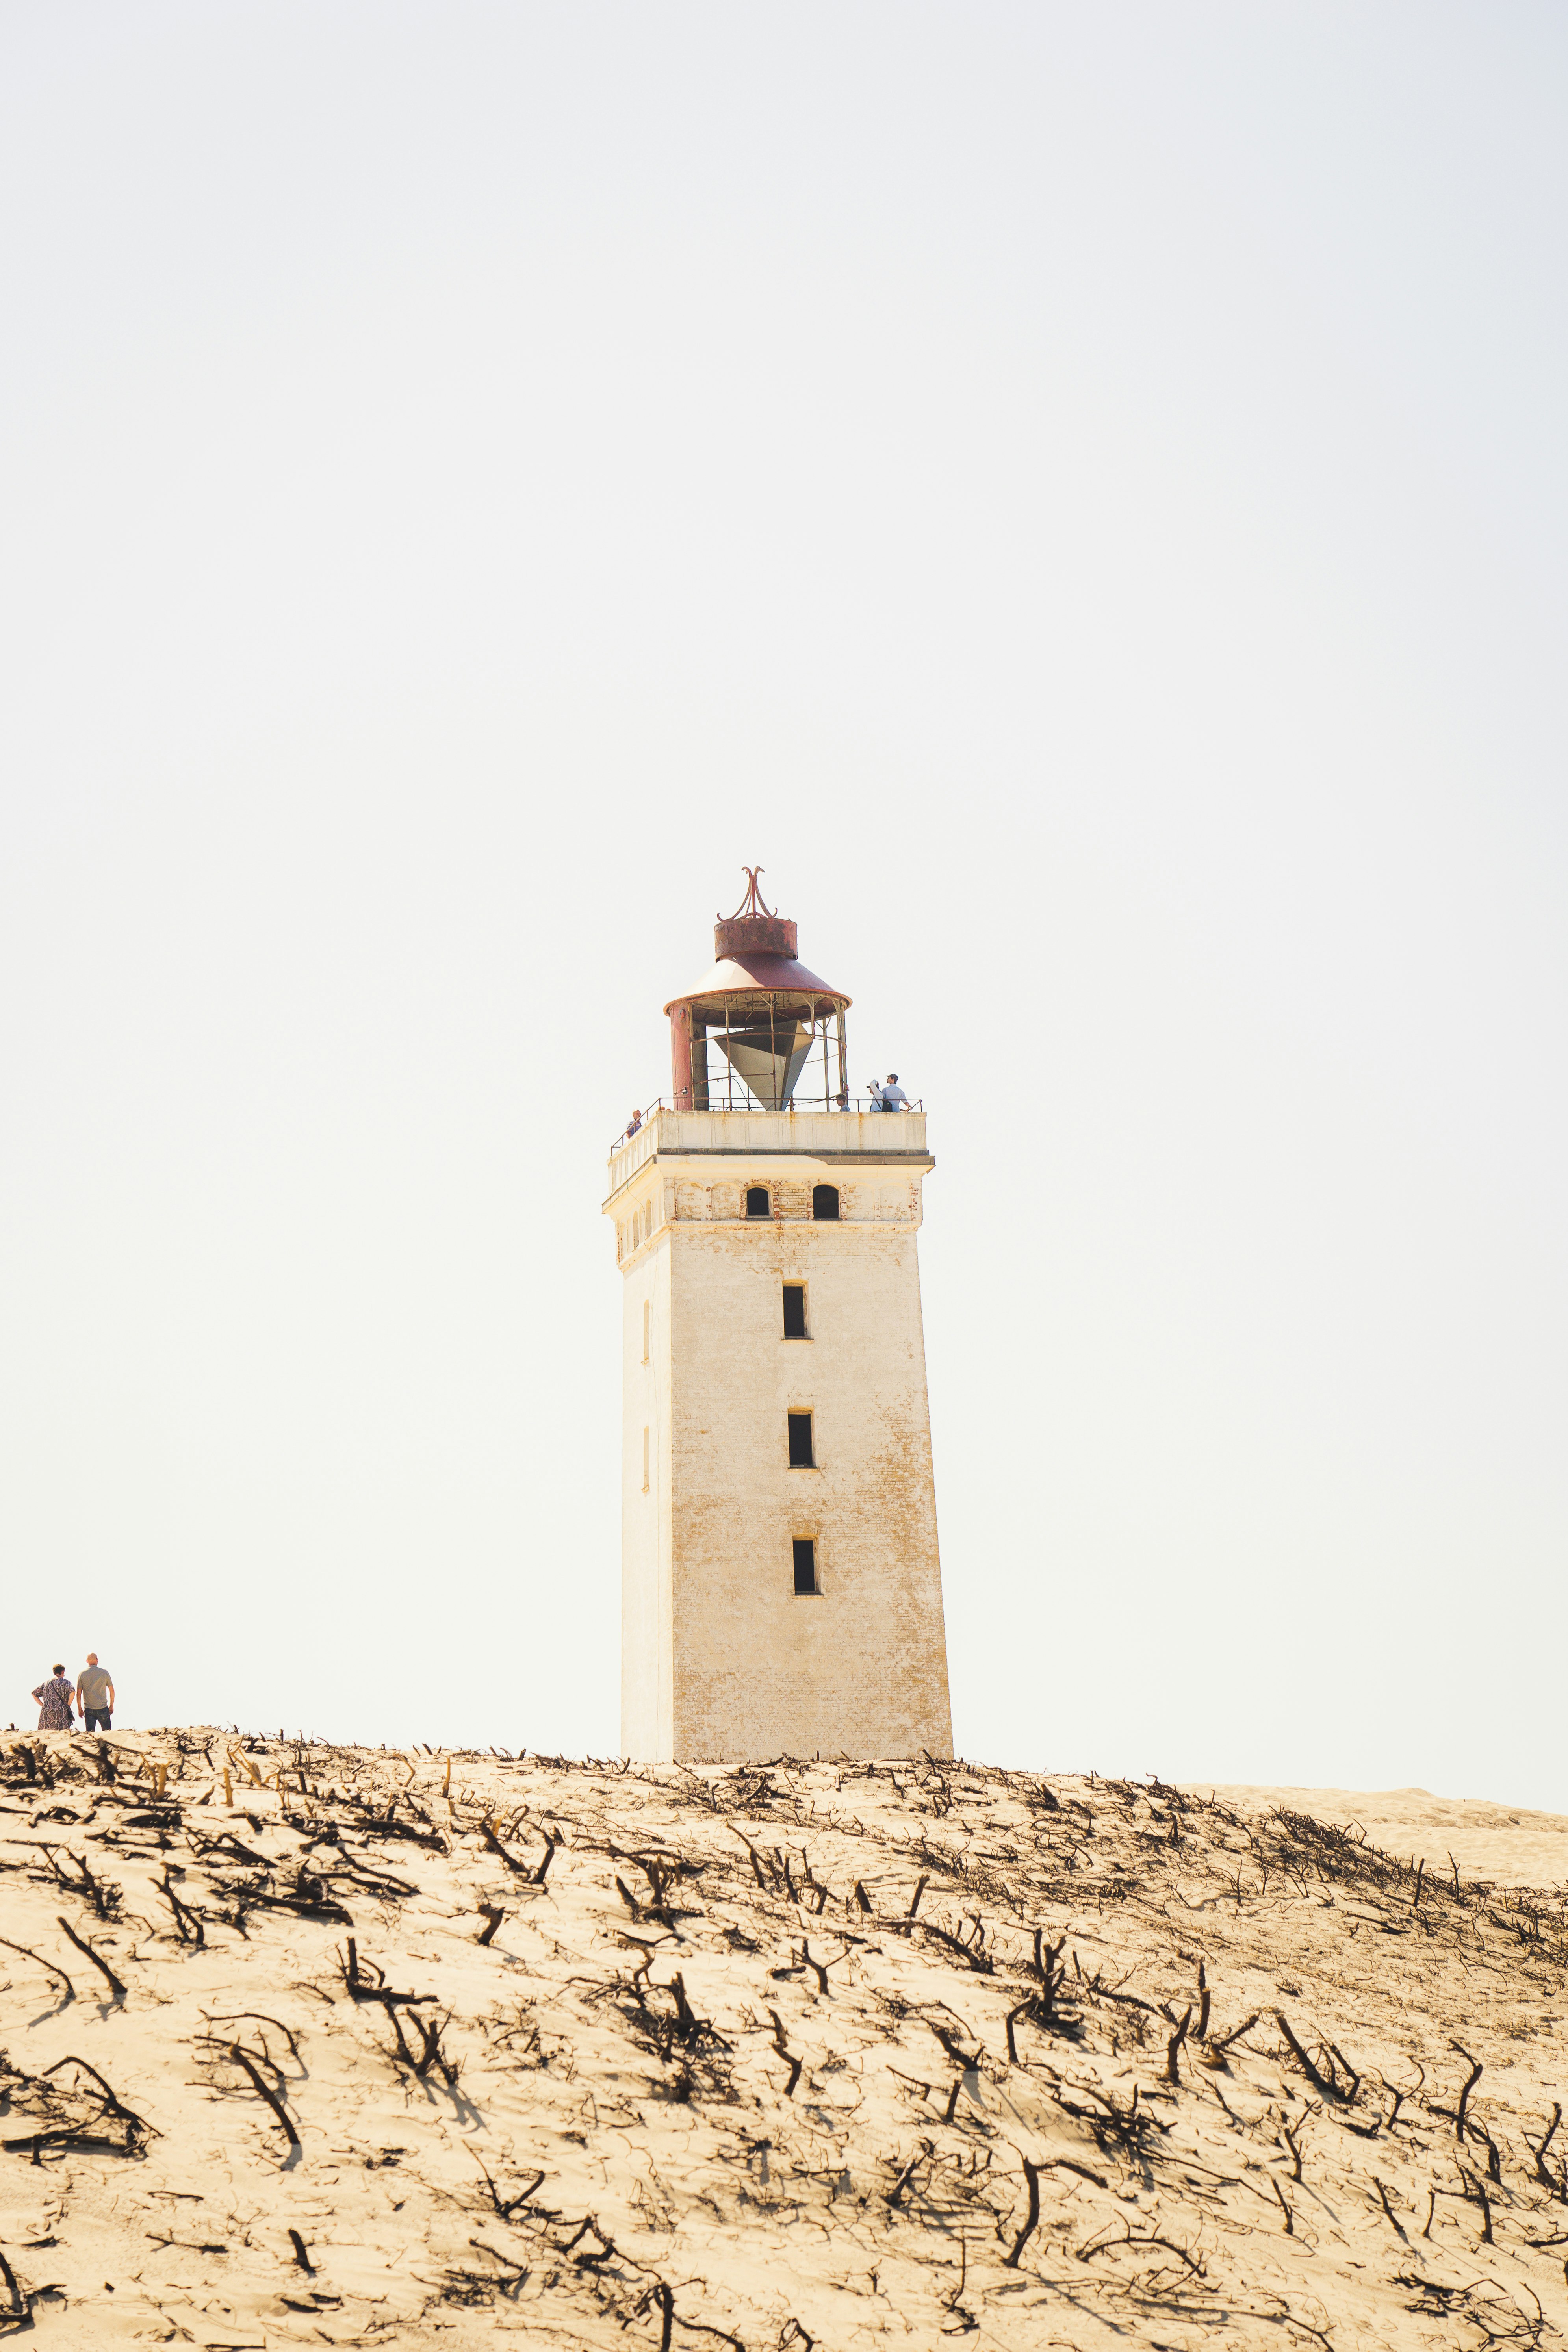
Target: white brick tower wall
(723, 1660)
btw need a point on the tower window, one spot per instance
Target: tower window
(646, 1315)
(804, 1564)
(757, 1202)
(825, 1202)
(801, 1456)
(794, 1310)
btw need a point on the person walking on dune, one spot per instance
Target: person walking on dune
(55, 1702)
(95, 1695)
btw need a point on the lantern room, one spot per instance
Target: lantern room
(759, 1031)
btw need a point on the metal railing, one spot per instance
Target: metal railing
(863, 1103)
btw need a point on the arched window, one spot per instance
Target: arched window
(757, 1202)
(825, 1200)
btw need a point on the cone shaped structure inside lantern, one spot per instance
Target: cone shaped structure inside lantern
(769, 1057)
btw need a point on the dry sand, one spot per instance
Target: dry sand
(816, 2056)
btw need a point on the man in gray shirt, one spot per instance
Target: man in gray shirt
(95, 1695)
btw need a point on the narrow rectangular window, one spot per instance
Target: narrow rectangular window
(794, 1310)
(804, 1564)
(800, 1454)
(645, 1461)
(647, 1310)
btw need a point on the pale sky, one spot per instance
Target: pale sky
(1079, 494)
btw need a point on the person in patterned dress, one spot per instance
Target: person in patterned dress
(55, 1702)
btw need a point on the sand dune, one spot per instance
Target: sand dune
(310, 2045)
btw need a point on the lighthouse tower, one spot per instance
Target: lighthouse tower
(781, 1590)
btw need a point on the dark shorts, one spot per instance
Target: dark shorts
(95, 1718)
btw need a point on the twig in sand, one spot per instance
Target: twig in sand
(1032, 2175)
(112, 2104)
(1295, 2151)
(21, 2309)
(103, 1897)
(1320, 2083)
(781, 2045)
(192, 1932)
(1484, 2202)
(533, 1877)
(53, 1965)
(1559, 2187)
(1383, 2199)
(102, 1966)
(1011, 2020)
(1477, 2071)
(240, 2057)
(361, 1987)
(1150, 2238)
(507, 2206)
(819, 1968)
(259, 2016)
(1349, 2095)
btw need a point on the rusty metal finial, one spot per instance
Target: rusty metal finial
(754, 902)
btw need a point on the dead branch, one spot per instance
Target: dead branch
(1320, 2083)
(1558, 2188)
(1152, 2238)
(1355, 2079)
(53, 1966)
(1032, 2175)
(1476, 2074)
(116, 1988)
(21, 2311)
(781, 2045)
(359, 1987)
(136, 2129)
(507, 2207)
(1295, 2150)
(187, 1920)
(259, 2017)
(1383, 2199)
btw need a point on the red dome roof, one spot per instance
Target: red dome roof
(744, 975)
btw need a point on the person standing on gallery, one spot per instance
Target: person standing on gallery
(53, 1699)
(95, 1695)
